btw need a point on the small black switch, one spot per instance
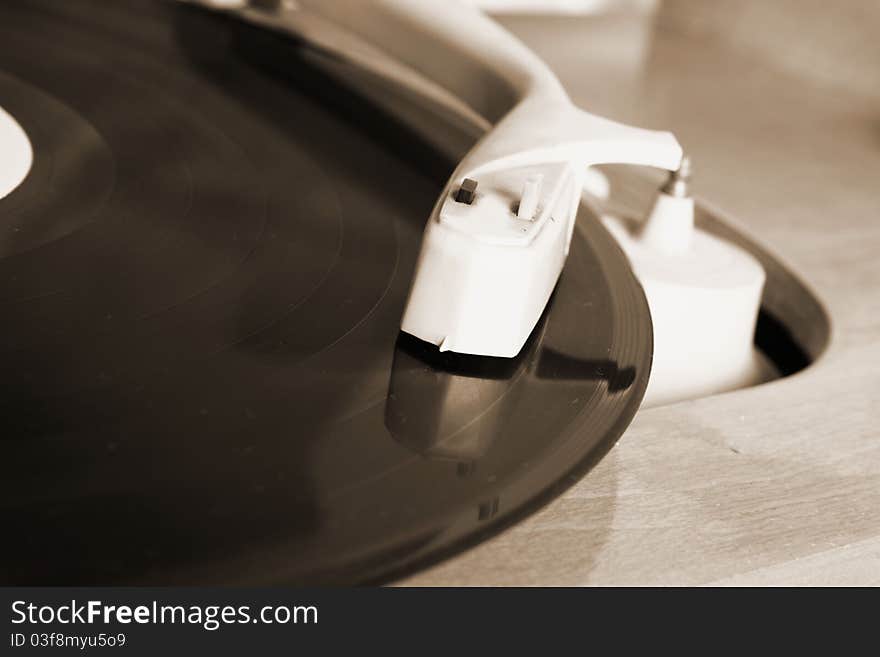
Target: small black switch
(467, 191)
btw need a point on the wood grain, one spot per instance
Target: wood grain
(778, 484)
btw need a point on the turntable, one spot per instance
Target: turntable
(337, 292)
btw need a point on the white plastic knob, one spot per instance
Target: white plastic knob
(528, 204)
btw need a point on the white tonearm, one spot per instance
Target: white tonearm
(497, 239)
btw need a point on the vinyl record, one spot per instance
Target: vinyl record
(201, 283)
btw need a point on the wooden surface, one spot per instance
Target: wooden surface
(778, 484)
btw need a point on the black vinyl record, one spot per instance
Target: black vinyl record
(201, 283)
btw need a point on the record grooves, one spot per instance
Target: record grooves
(202, 280)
